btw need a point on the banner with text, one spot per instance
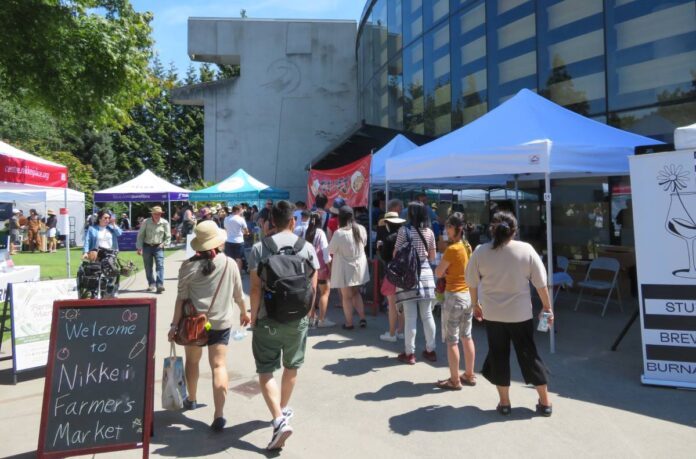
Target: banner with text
(351, 182)
(664, 215)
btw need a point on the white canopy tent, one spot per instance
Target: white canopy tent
(527, 137)
(146, 187)
(685, 137)
(27, 197)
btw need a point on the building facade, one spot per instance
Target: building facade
(295, 95)
(431, 66)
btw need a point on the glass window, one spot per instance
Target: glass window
(469, 74)
(413, 19)
(394, 21)
(571, 54)
(379, 23)
(382, 98)
(580, 216)
(511, 48)
(413, 87)
(434, 11)
(396, 94)
(659, 122)
(438, 95)
(650, 53)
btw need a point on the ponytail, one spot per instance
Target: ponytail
(503, 228)
(207, 256)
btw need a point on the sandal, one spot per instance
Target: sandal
(347, 327)
(505, 410)
(467, 381)
(363, 323)
(448, 384)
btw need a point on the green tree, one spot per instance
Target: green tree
(82, 60)
(96, 149)
(561, 89)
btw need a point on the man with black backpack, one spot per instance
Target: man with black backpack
(283, 270)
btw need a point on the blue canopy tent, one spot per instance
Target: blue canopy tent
(239, 186)
(526, 137)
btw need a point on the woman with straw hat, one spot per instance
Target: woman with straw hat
(51, 223)
(387, 232)
(211, 282)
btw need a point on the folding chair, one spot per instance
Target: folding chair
(610, 265)
(561, 278)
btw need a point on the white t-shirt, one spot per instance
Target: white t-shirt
(235, 226)
(301, 228)
(105, 240)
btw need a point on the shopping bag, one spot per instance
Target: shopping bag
(173, 382)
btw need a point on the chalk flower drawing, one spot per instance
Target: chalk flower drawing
(680, 221)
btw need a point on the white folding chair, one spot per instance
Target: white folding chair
(561, 278)
(610, 265)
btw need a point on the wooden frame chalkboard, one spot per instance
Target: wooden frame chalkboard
(98, 394)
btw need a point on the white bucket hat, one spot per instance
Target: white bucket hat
(208, 236)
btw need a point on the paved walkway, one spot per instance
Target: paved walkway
(353, 399)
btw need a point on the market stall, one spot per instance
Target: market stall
(526, 138)
(146, 187)
(238, 187)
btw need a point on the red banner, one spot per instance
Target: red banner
(16, 170)
(351, 182)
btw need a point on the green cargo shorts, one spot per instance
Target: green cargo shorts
(271, 339)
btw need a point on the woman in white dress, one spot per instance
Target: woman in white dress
(349, 265)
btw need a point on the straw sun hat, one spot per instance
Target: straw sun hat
(391, 217)
(156, 210)
(208, 236)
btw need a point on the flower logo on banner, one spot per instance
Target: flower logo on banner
(673, 177)
(680, 216)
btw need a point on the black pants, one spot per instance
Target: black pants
(496, 368)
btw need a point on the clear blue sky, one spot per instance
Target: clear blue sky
(170, 17)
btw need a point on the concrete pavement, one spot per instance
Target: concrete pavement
(354, 399)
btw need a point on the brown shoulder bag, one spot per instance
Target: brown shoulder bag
(191, 331)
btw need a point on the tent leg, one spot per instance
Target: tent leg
(549, 256)
(369, 221)
(130, 213)
(66, 229)
(169, 209)
(386, 193)
(517, 205)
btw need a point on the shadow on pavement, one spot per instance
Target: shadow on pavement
(184, 437)
(332, 344)
(400, 389)
(435, 418)
(357, 367)
(28, 455)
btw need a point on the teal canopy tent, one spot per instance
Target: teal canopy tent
(238, 187)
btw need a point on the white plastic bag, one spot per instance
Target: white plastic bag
(173, 382)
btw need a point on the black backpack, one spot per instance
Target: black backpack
(287, 281)
(404, 269)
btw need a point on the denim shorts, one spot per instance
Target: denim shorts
(219, 337)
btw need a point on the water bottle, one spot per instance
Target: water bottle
(239, 334)
(544, 322)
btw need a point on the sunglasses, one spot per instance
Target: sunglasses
(269, 203)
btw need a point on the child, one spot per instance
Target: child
(457, 311)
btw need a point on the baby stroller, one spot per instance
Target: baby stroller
(99, 279)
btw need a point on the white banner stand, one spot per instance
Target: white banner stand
(664, 216)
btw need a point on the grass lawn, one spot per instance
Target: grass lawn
(53, 265)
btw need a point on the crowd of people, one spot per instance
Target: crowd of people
(31, 230)
(326, 246)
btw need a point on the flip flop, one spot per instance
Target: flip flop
(447, 384)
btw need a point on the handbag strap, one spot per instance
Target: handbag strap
(222, 278)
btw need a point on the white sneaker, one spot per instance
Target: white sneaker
(288, 412)
(387, 337)
(280, 434)
(326, 323)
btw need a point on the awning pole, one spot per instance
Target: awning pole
(169, 209)
(66, 227)
(369, 209)
(517, 205)
(549, 255)
(130, 214)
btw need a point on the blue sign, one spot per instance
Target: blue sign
(126, 241)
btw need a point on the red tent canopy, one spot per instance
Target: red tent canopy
(17, 166)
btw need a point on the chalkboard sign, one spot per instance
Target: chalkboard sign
(100, 377)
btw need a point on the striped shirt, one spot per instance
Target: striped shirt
(417, 241)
